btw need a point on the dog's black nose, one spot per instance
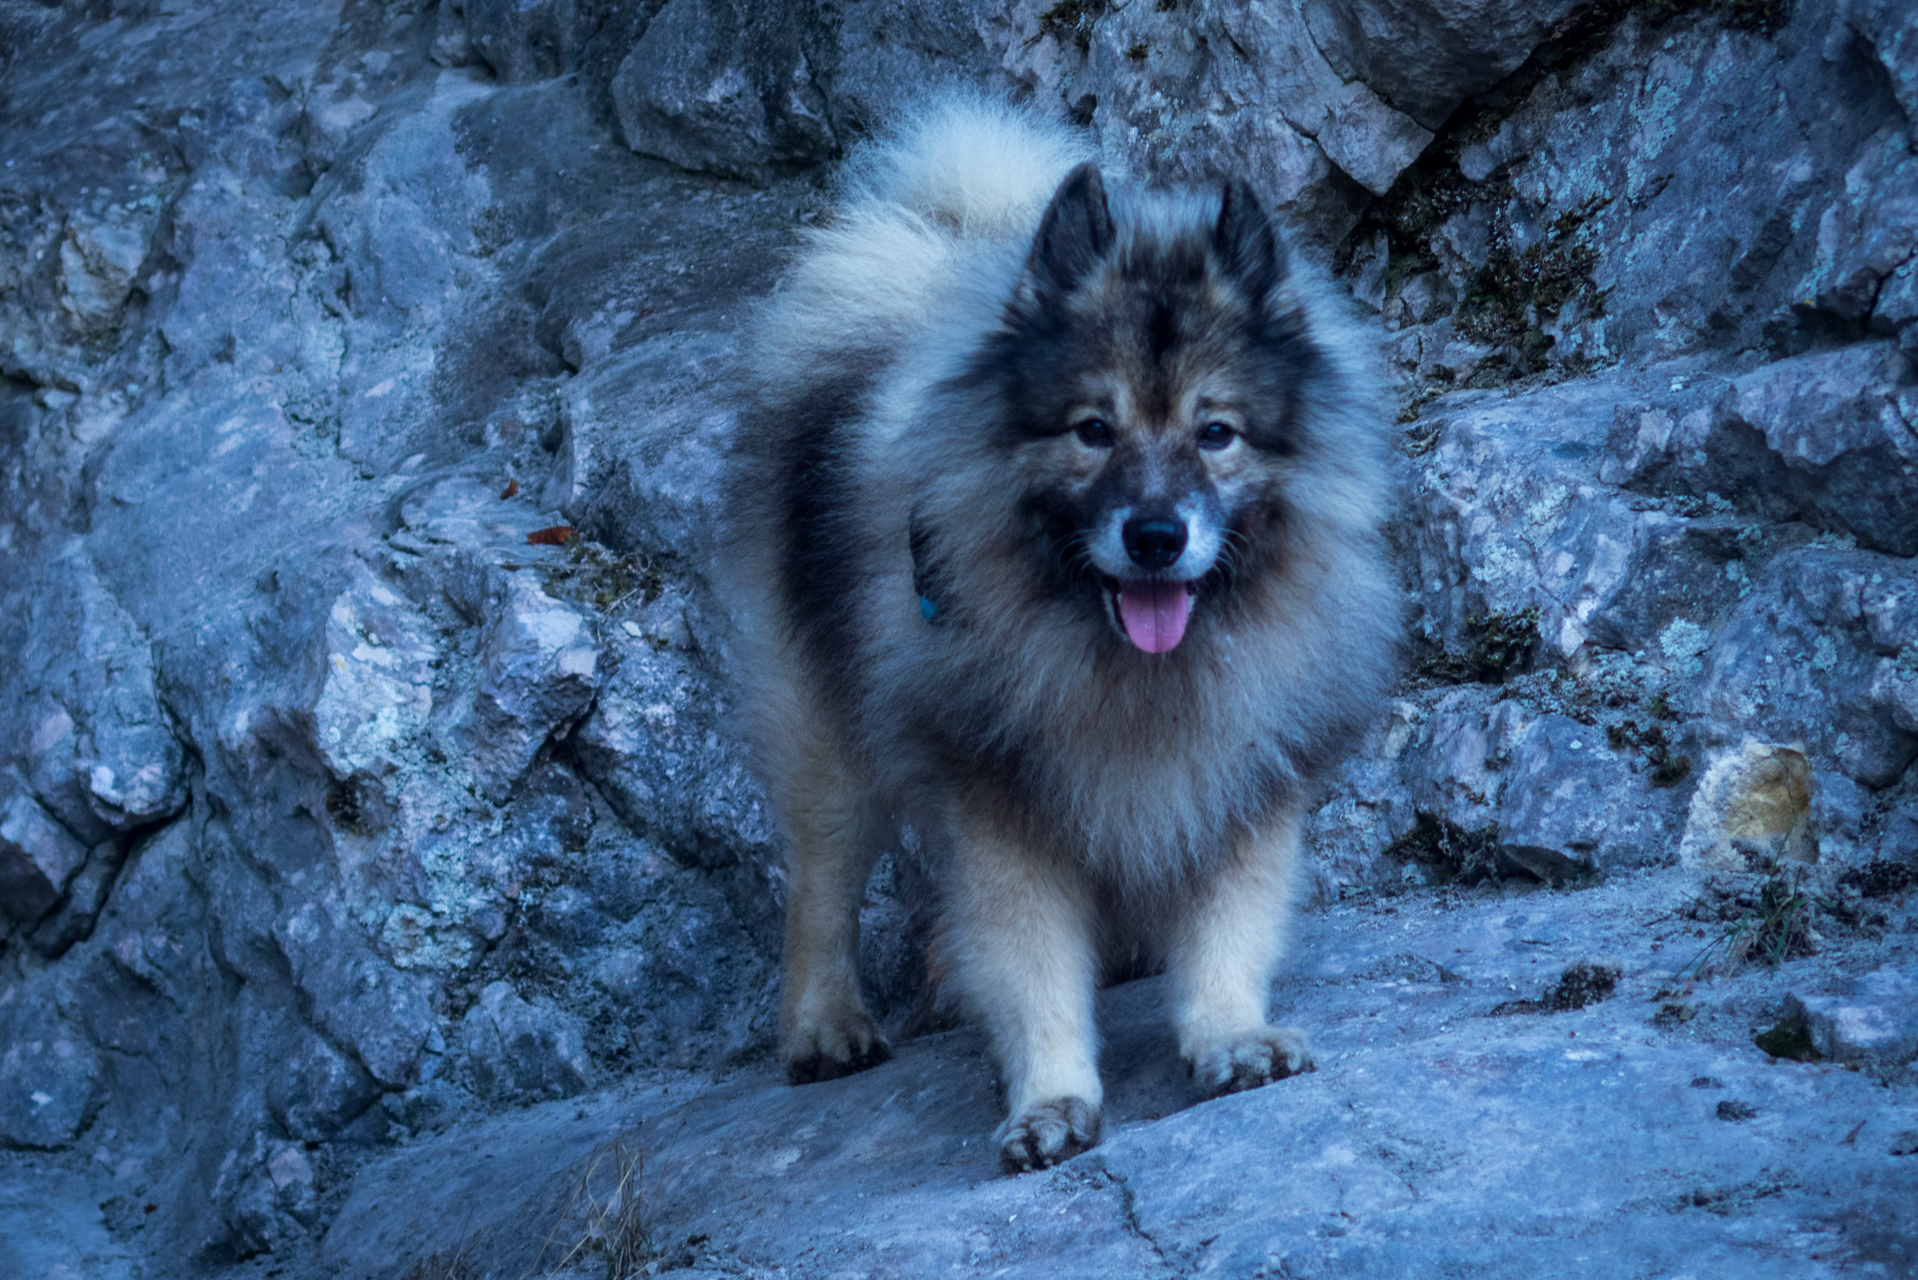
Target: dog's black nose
(1153, 542)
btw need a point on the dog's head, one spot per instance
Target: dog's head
(1153, 366)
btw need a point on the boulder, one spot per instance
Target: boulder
(1843, 428)
(1474, 786)
(1521, 545)
(726, 87)
(1824, 655)
(38, 856)
(516, 1051)
(50, 1075)
(1869, 1022)
(1425, 57)
(539, 668)
(1867, 234)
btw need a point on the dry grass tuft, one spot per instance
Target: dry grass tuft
(613, 1226)
(452, 1264)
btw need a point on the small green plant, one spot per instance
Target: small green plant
(595, 575)
(1770, 928)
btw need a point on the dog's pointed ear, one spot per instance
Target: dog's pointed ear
(1075, 233)
(1246, 243)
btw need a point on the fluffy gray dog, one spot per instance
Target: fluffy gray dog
(1053, 531)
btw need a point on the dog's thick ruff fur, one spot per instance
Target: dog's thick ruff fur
(1052, 530)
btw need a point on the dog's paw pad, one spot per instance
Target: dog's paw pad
(848, 1044)
(1250, 1060)
(1042, 1136)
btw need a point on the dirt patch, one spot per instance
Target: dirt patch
(1584, 983)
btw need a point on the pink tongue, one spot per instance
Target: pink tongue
(1155, 613)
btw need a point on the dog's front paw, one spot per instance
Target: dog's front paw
(1248, 1060)
(835, 1047)
(1042, 1136)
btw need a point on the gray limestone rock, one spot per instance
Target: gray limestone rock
(266, 1191)
(87, 727)
(80, 907)
(1891, 29)
(1571, 230)
(524, 40)
(1826, 438)
(1867, 234)
(725, 87)
(1425, 57)
(1573, 800)
(515, 1051)
(887, 52)
(1872, 1023)
(315, 1089)
(1475, 786)
(1824, 654)
(1520, 541)
(1844, 427)
(1597, 1132)
(50, 1074)
(70, 258)
(378, 687)
(538, 669)
(1210, 90)
(38, 856)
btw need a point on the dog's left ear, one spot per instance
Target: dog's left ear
(1246, 243)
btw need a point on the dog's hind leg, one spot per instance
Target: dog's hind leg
(1021, 940)
(1228, 941)
(836, 836)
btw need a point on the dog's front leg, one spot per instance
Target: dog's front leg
(1228, 941)
(1022, 944)
(825, 1030)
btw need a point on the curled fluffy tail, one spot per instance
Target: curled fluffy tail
(976, 166)
(956, 172)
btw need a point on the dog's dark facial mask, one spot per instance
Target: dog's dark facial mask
(1151, 374)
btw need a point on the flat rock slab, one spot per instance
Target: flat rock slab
(1436, 1138)
(51, 1225)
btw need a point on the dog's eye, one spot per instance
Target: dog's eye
(1216, 435)
(1094, 434)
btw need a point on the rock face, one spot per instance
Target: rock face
(369, 785)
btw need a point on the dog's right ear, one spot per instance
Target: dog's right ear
(1075, 233)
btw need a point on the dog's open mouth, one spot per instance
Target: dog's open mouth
(1152, 612)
